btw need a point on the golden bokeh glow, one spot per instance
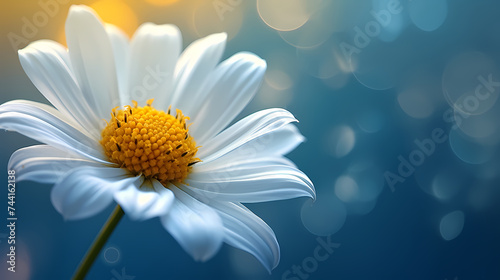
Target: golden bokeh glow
(114, 12)
(162, 2)
(117, 12)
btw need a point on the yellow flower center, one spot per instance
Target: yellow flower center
(150, 142)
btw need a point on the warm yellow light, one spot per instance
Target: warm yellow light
(115, 12)
(61, 37)
(162, 2)
(118, 13)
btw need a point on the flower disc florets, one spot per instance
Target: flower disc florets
(150, 142)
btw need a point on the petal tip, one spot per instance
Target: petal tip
(217, 38)
(312, 195)
(27, 49)
(81, 14)
(113, 28)
(258, 61)
(223, 35)
(159, 30)
(171, 29)
(80, 9)
(252, 58)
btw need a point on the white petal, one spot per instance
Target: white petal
(244, 131)
(245, 230)
(194, 66)
(275, 143)
(279, 142)
(86, 191)
(58, 51)
(227, 162)
(92, 59)
(146, 200)
(45, 124)
(230, 88)
(196, 226)
(154, 51)
(47, 65)
(120, 44)
(252, 182)
(45, 164)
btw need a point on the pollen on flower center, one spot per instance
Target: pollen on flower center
(152, 142)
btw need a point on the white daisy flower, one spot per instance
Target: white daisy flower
(140, 123)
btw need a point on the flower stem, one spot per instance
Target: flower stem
(99, 242)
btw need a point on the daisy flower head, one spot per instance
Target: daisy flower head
(139, 122)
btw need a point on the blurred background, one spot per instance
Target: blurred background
(398, 100)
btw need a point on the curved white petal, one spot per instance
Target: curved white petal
(45, 45)
(227, 162)
(246, 231)
(194, 66)
(230, 88)
(276, 143)
(279, 142)
(154, 51)
(252, 181)
(120, 44)
(47, 65)
(45, 124)
(92, 60)
(45, 164)
(196, 226)
(244, 131)
(146, 200)
(86, 191)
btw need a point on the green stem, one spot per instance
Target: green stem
(99, 242)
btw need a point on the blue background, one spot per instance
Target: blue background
(359, 114)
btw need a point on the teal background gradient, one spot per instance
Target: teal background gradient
(370, 82)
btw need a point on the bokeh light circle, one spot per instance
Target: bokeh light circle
(468, 81)
(118, 13)
(111, 255)
(428, 15)
(451, 225)
(207, 19)
(446, 185)
(393, 23)
(314, 31)
(469, 150)
(341, 141)
(370, 121)
(286, 15)
(278, 79)
(270, 96)
(367, 176)
(323, 217)
(415, 103)
(323, 61)
(346, 188)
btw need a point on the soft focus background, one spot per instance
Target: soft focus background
(371, 82)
